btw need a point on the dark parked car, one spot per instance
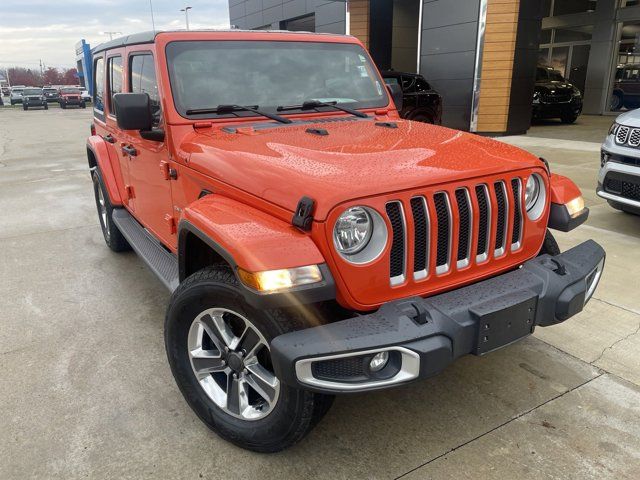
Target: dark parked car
(51, 94)
(420, 102)
(626, 89)
(33, 97)
(555, 97)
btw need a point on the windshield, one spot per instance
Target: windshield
(70, 90)
(16, 90)
(265, 75)
(49, 90)
(32, 91)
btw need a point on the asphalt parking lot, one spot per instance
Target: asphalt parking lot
(87, 392)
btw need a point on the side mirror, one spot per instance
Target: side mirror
(396, 93)
(133, 111)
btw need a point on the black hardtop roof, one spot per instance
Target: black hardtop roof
(150, 36)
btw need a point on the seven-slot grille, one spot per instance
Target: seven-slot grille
(508, 213)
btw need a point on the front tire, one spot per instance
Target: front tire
(83, 105)
(208, 326)
(616, 102)
(568, 118)
(549, 246)
(46, 106)
(112, 236)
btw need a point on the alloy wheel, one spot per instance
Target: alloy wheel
(231, 361)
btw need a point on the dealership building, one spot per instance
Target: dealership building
(480, 54)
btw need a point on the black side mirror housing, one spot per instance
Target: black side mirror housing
(396, 93)
(133, 111)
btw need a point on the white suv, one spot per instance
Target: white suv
(619, 176)
(16, 94)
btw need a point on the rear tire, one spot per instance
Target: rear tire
(616, 102)
(204, 306)
(112, 236)
(46, 106)
(549, 246)
(83, 105)
(63, 105)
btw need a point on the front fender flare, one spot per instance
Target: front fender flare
(563, 191)
(98, 147)
(254, 241)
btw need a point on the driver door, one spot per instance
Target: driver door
(151, 185)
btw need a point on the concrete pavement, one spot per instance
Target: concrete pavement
(87, 392)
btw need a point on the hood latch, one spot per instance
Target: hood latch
(303, 217)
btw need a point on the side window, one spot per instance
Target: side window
(142, 79)
(114, 73)
(98, 86)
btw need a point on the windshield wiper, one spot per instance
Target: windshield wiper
(314, 104)
(238, 108)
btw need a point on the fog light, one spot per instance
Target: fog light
(379, 361)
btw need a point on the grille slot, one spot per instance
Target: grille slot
(634, 137)
(622, 134)
(501, 232)
(465, 228)
(398, 240)
(516, 233)
(443, 249)
(484, 223)
(421, 237)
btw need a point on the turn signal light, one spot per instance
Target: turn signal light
(575, 206)
(271, 281)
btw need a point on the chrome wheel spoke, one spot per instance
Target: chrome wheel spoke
(237, 400)
(205, 362)
(248, 342)
(262, 381)
(219, 332)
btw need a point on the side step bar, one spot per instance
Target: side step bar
(161, 262)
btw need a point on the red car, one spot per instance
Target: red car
(71, 97)
(314, 242)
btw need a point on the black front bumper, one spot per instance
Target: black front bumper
(423, 335)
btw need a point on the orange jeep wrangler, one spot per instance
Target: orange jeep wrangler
(315, 243)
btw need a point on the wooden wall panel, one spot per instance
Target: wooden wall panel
(359, 20)
(497, 65)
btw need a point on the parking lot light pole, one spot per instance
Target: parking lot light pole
(186, 15)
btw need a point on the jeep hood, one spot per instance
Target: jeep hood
(351, 159)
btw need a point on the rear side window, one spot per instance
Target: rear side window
(142, 79)
(98, 87)
(114, 72)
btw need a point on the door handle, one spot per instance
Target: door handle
(109, 138)
(129, 150)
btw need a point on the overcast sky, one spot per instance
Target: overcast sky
(31, 30)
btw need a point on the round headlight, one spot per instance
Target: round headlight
(531, 192)
(352, 231)
(535, 196)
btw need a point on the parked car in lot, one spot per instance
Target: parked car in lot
(34, 97)
(16, 94)
(6, 91)
(315, 243)
(626, 88)
(51, 94)
(619, 176)
(84, 94)
(555, 97)
(420, 102)
(70, 97)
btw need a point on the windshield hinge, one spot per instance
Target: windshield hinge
(303, 217)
